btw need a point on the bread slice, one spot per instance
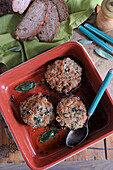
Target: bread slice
(62, 9)
(14, 6)
(33, 20)
(49, 31)
(20, 5)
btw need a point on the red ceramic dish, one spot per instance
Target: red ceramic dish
(36, 154)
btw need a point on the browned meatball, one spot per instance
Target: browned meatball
(71, 112)
(37, 111)
(63, 75)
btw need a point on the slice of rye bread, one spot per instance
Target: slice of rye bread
(20, 5)
(33, 21)
(62, 9)
(14, 6)
(50, 29)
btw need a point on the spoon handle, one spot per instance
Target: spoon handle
(100, 92)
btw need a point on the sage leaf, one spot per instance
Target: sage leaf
(26, 86)
(49, 135)
(85, 41)
(104, 54)
(14, 49)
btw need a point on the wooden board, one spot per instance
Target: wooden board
(94, 152)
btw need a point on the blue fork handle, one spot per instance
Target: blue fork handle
(100, 92)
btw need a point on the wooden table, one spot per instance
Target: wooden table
(93, 157)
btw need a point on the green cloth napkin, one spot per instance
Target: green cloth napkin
(79, 11)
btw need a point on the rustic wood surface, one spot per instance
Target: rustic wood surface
(70, 165)
(101, 151)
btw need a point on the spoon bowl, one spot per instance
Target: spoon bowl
(75, 137)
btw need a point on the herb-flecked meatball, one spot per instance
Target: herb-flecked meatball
(71, 112)
(63, 75)
(37, 111)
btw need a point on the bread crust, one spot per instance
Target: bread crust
(38, 29)
(66, 10)
(18, 10)
(54, 6)
(58, 10)
(7, 6)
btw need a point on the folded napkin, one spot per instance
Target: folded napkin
(79, 11)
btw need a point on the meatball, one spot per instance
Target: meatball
(37, 111)
(71, 112)
(63, 75)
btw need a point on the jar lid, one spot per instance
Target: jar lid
(107, 8)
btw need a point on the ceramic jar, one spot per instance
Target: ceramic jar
(104, 20)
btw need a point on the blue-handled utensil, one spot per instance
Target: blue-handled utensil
(75, 137)
(96, 39)
(98, 32)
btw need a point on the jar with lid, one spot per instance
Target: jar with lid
(104, 20)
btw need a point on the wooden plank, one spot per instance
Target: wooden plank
(14, 166)
(94, 152)
(9, 152)
(109, 144)
(70, 165)
(84, 165)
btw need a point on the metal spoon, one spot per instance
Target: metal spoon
(75, 137)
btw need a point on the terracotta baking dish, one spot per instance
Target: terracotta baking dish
(38, 155)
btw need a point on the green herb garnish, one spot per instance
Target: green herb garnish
(74, 109)
(26, 86)
(49, 135)
(37, 119)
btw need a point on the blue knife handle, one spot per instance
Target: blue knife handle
(100, 92)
